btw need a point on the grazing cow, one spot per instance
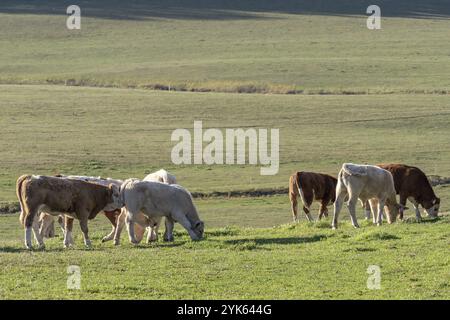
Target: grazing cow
(311, 186)
(47, 222)
(55, 196)
(156, 200)
(366, 183)
(161, 176)
(142, 220)
(411, 183)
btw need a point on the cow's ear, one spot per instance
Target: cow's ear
(112, 188)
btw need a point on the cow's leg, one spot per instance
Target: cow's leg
(29, 221)
(44, 222)
(380, 212)
(120, 223)
(307, 199)
(341, 194)
(367, 209)
(68, 226)
(47, 226)
(168, 233)
(61, 223)
(307, 212)
(352, 209)
(37, 235)
(294, 206)
(323, 210)
(374, 209)
(112, 217)
(416, 208)
(131, 218)
(403, 198)
(183, 220)
(84, 229)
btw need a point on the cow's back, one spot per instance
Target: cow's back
(323, 185)
(367, 179)
(406, 177)
(65, 195)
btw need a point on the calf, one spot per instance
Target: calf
(412, 184)
(156, 200)
(142, 221)
(366, 183)
(73, 198)
(47, 222)
(311, 186)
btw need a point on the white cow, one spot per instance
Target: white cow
(157, 200)
(152, 225)
(161, 176)
(365, 182)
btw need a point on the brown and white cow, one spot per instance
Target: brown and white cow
(411, 183)
(366, 183)
(46, 221)
(311, 186)
(73, 198)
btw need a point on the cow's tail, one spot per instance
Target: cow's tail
(122, 188)
(299, 183)
(19, 185)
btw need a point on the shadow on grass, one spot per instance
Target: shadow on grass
(413, 220)
(282, 241)
(11, 249)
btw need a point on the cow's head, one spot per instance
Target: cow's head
(116, 198)
(393, 210)
(199, 229)
(432, 207)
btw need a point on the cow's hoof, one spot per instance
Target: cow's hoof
(169, 239)
(333, 228)
(117, 243)
(356, 226)
(41, 247)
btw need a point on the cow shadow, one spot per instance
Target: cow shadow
(11, 249)
(277, 241)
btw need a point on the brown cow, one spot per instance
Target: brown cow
(55, 196)
(311, 186)
(411, 183)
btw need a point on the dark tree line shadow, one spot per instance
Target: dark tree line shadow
(227, 9)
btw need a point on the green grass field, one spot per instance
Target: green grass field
(303, 261)
(84, 102)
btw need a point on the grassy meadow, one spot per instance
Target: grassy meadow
(104, 101)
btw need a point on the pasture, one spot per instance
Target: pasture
(96, 101)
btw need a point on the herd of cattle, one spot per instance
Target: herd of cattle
(141, 204)
(375, 186)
